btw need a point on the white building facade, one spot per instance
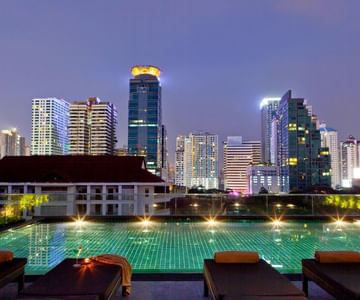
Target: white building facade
(11, 143)
(92, 127)
(50, 120)
(349, 160)
(268, 107)
(74, 187)
(179, 161)
(263, 177)
(329, 139)
(238, 155)
(197, 160)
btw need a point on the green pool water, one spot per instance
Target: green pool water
(177, 247)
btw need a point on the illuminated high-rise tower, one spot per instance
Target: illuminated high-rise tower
(11, 143)
(145, 128)
(50, 119)
(268, 108)
(92, 127)
(329, 139)
(303, 162)
(349, 160)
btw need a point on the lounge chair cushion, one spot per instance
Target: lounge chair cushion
(337, 256)
(236, 257)
(237, 280)
(6, 255)
(343, 277)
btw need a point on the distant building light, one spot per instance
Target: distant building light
(346, 183)
(356, 173)
(265, 101)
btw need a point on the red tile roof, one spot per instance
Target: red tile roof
(75, 169)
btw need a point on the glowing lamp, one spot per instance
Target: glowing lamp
(86, 261)
(339, 222)
(276, 222)
(145, 222)
(79, 222)
(237, 204)
(211, 221)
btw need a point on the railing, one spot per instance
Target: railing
(227, 205)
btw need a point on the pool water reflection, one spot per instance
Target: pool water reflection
(178, 246)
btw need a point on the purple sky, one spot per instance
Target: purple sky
(218, 58)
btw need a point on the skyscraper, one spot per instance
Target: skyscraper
(197, 160)
(11, 143)
(329, 139)
(268, 108)
(238, 155)
(50, 119)
(349, 160)
(145, 119)
(303, 162)
(180, 160)
(92, 127)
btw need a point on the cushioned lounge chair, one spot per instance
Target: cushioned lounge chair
(13, 270)
(342, 280)
(248, 281)
(95, 281)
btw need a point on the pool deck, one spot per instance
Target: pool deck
(169, 290)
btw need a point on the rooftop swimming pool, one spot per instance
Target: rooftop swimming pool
(159, 247)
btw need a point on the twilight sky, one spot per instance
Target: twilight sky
(218, 57)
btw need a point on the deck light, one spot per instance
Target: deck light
(276, 222)
(339, 222)
(195, 205)
(237, 204)
(211, 221)
(79, 221)
(145, 221)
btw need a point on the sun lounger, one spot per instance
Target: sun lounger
(94, 280)
(249, 281)
(342, 280)
(13, 270)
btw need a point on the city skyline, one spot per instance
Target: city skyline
(320, 50)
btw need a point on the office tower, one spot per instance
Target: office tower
(201, 160)
(274, 159)
(329, 139)
(303, 162)
(349, 160)
(268, 108)
(145, 120)
(50, 119)
(92, 127)
(11, 143)
(164, 153)
(196, 160)
(238, 155)
(180, 161)
(262, 176)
